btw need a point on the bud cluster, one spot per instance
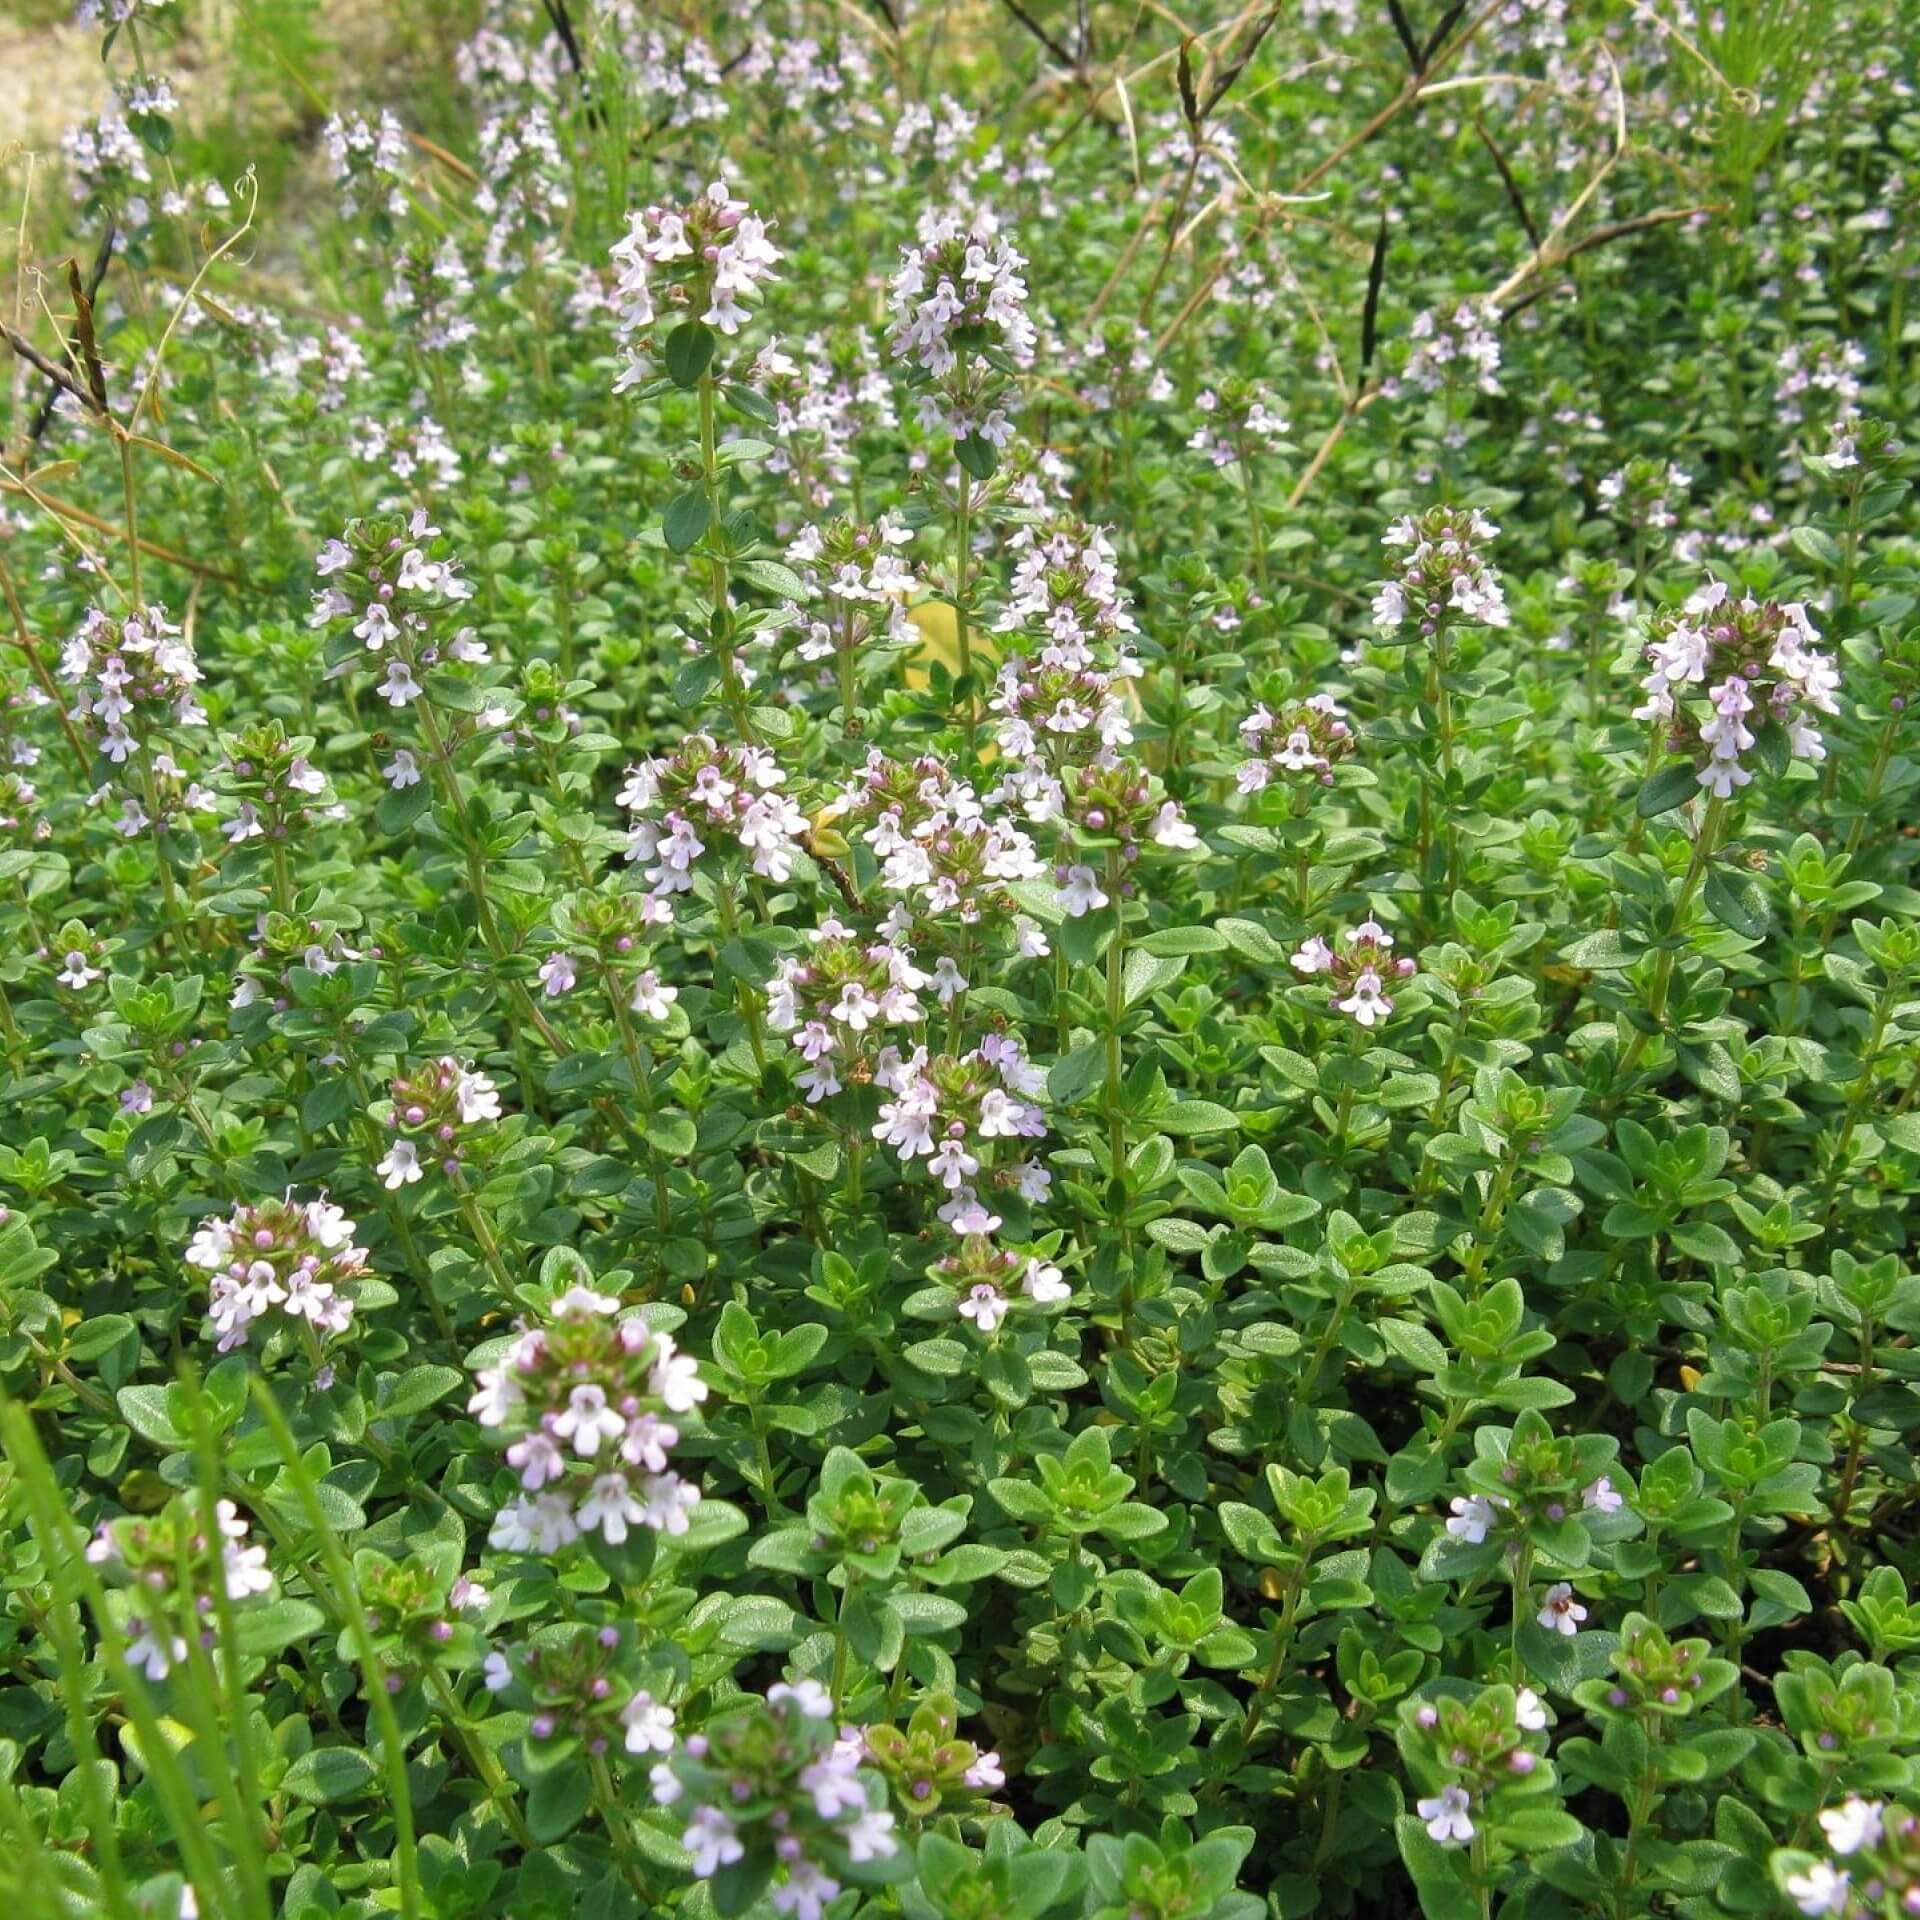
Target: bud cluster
(1359, 968)
(274, 783)
(844, 990)
(703, 792)
(1755, 665)
(1305, 738)
(431, 1108)
(1239, 424)
(1479, 1747)
(294, 1255)
(988, 1282)
(586, 1398)
(772, 1784)
(392, 577)
(1441, 573)
(166, 1561)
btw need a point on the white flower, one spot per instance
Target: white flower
(808, 1695)
(477, 1098)
(985, 1305)
(1172, 828)
(711, 1840)
(543, 1524)
(154, 1656)
(401, 771)
(401, 1167)
(1315, 956)
(834, 1782)
(1045, 1284)
(557, 975)
(1602, 1497)
(587, 1420)
(670, 1502)
(649, 1725)
(806, 1891)
(610, 1508)
(1528, 1711)
(1562, 1613)
(651, 998)
(1854, 1824)
(1080, 893)
(1446, 1816)
(497, 1398)
(1368, 1002)
(871, 1836)
(76, 973)
(1822, 1889)
(986, 1773)
(676, 1376)
(1472, 1516)
(467, 1595)
(399, 688)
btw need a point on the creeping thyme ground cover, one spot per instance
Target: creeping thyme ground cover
(960, 962)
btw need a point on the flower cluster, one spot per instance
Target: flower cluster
(927, 1763)
(136, 677)
(772, 1786)
(1304, 739)
(1359, 968)
(859, 586)
(1460, 347)
(840, 998)
(1055, 712)
(273, 783)
(426, 295)
(1818, 381)
(578, 1690)
(953, 1111)
(1066, 586)
(1477, 1748)
(167, 1562)
(1645, 494)
(987, 1282)
(410, 1607)
(586, 1397)
(367, 161)
(1753, 665)
(1440, 572)
(936, 843)
(958, 291)
(296, 1255)
(1238, 425)
(1872, 1865)
(703, 261)
(433, 1108)
(699, 795)
(391, 578)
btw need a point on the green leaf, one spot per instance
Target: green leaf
(1738, 902)
(689, 352)
(687, 517)
(979, 457)
(146, 1411)
(559, 1798)
(277, 1624)
(329, 1774)
(1196, 1116)
(1667, 789)
(1074, 1073)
